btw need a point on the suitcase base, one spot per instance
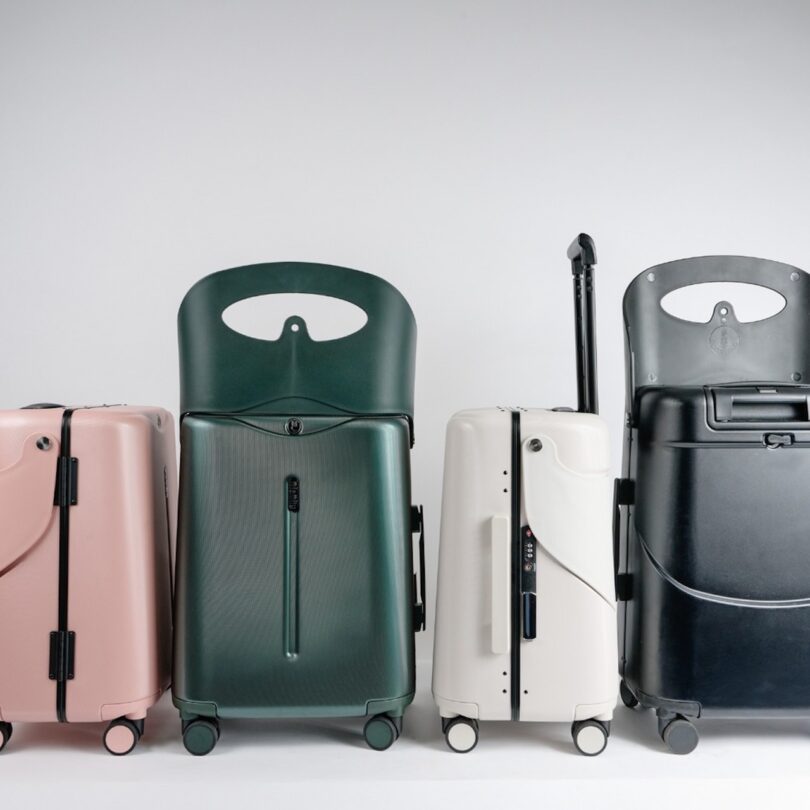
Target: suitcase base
(394, 707)
(201, 727)
(120, 737)
(675, 717)
(590, 736)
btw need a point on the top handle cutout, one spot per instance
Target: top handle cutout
(322, 317)
(697, 302)
(368, 371)
(665, 350)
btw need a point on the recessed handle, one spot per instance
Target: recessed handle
(501, 576)
(761, 405)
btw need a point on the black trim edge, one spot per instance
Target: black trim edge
(63, 641)
(516, 567)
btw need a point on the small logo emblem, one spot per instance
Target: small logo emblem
(724, 340)
(294, 426)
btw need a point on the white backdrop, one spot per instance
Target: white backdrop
(454, 148)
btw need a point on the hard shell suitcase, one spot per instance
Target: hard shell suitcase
(712, 511)
(295, 588)
(525, 611)
(87, 505)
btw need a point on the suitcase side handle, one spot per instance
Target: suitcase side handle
(617, 528)
(419, 597)
(623, 495)
(665, 350)
(370, 371)
(500, 540)
(582, 255)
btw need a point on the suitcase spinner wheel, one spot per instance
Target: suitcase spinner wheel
(590, 736)
(5, 734)
(461, 734)
(382, 731)
(122, 735)
(628, 698)
(678, 733)
(200, 735)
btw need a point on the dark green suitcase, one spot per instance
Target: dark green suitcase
(295, 592)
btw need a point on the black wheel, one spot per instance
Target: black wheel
(590, 737)
(680, 736)
(121, 736)
(628, 698)
(200, 736)
(186, 723)
(461, 734)
(5, 734)
(380, 732)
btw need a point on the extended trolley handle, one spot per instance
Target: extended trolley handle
(582, 254)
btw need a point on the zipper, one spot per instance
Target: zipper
(62, 640)
(291, 568)
(517, 549)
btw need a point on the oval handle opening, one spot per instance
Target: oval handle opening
(697, 302)
(263, 316)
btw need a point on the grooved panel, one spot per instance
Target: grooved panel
(352, 578)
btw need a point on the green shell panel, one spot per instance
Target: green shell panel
(294, 613)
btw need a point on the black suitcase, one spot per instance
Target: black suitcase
(712, 546)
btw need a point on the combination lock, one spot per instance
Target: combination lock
(528, 582)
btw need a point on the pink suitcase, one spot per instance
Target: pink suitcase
(87, 526)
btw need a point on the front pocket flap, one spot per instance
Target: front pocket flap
(570, 514)
(26, 498)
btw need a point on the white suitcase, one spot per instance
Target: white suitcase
(525, 610)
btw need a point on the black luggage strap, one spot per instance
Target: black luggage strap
(624, 494)
(419, 598)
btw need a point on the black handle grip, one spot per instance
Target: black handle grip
(582, 254)
(37, 406)
(761, 405)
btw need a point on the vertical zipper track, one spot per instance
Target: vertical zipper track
(64, 562)
(516, 567)
(291, 573)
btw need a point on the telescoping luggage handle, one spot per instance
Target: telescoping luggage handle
(665, 350)
(582, 254)
(369, 372)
